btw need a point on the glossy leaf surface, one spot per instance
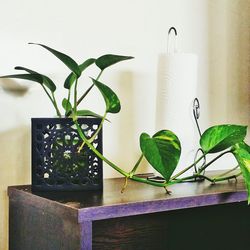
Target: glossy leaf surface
(46, 80)
(162, 151)
(66, 105)
(241, 152)
(30, 77)
(72, 77)
(112, 101)
(67, 60)
(86, 64)
(69, 81)
(221, 137)
(107, 60)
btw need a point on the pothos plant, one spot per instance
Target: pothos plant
(163, 149)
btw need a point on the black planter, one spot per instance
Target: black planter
(56, 163)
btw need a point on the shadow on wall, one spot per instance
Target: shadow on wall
(14, 170)
(229, 61)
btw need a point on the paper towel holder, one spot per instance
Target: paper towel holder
(175, 33)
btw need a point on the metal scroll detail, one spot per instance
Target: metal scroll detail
(196, 113)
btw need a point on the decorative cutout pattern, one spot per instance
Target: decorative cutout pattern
(57, 163)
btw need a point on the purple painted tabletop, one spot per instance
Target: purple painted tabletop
(137, 199)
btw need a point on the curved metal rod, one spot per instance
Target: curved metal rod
(175, 32)
(174, 29)
(196, 168)
(196, 113)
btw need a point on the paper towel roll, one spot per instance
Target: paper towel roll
(176, 90)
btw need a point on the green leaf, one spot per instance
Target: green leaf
(107, 60)
(112, 102)
(241, 152)
(66, 105)
(162, 151)
(30, 77)
(71, 77)
(69, 80)
(68, 61)
(86, 64)
(221, 137)
(88, 113)
(46, 80)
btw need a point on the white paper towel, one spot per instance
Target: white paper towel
(176, 90)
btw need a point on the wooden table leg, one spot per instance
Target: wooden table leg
(86, 235)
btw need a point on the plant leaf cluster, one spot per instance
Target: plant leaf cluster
(103, 62)
(163, 149)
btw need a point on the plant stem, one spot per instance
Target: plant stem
(124, 185)
(99, 128)
(55, 104)
(227, 178)
(53, 101)
(204, 176)
(184, 179)
(124, 173)
(88, 90)
(212, 161)
(99, 75)
(214, 180)
(97, 152)
(48, 94)
(136, 166)
(139, 179)
(84, 95)
(187, 168)
(227, 172)
(75, 96)
(95, 134)
(143, 180)
(201, 169)
(68, 113)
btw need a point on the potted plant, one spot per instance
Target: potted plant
(60, 159)
(162, 150)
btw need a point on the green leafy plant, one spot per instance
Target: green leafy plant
(163, 149)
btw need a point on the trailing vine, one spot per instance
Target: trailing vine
(163, 149)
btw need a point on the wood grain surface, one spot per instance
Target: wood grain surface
(194, 216)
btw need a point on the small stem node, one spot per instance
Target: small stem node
(124, 185)
(167, 191)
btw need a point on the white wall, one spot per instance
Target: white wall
(217, 30)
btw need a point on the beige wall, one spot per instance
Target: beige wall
(229, 57)
(217, 30)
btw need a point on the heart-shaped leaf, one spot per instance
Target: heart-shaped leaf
(162, 151)
(66, 105)
(68, 61)
(112, 101)
(241, 152)
(107, 60)
(46, 80)
(221, 137)
(30, 77)
(72, 77)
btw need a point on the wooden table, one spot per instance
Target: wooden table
(195, 216)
